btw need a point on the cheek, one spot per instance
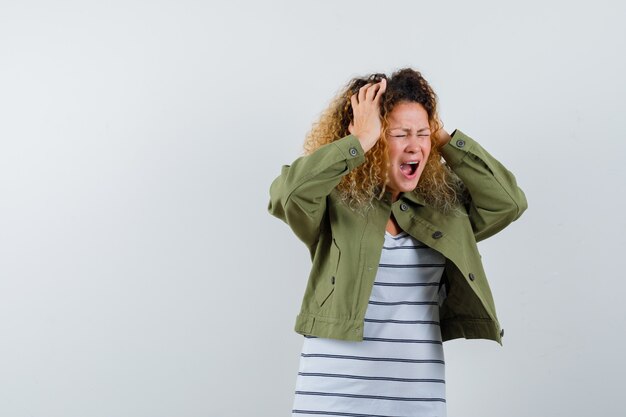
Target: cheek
(392, 152)
(426, 149)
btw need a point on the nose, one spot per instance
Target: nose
(414, 143)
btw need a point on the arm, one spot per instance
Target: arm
(298, 195)
(496, 200)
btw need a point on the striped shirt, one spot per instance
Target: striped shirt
(398, 369)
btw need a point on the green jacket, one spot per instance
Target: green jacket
(345, 246)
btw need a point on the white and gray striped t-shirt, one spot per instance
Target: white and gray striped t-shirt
(398, 370)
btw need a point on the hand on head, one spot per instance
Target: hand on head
(366, 124)
(442, 137)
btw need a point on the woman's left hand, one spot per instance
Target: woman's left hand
(442, 137)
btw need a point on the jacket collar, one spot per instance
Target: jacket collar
(412, 196)
(415, 197)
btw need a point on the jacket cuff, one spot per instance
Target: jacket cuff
(351, 149)
(457, 149)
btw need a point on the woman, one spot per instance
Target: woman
(392, 231)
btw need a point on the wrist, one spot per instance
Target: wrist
(442, 137)
(366, 143)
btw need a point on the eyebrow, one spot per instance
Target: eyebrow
(407, 130)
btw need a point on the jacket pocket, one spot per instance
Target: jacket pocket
(326, 284)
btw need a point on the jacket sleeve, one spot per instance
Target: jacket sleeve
(496, 200)
(298, 195)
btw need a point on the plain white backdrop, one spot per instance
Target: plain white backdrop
(140, 274)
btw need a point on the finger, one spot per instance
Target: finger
(371, 92)
(381, 90)
(363, 91)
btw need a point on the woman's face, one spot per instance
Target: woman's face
(408, 139)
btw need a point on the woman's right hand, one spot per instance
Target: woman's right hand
(366, 125)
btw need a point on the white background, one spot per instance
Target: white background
(140, 274)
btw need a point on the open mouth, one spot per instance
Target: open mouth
(409, 168)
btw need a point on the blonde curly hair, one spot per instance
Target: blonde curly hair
(439, 186)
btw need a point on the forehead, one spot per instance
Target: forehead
(408, 114)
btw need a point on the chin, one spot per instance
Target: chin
(405, 188)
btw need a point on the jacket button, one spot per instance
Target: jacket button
(437, 234)
(332, 280)
(472, 277)
(353, 152)
(460, 143)
(404, 207)
(502, 333)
